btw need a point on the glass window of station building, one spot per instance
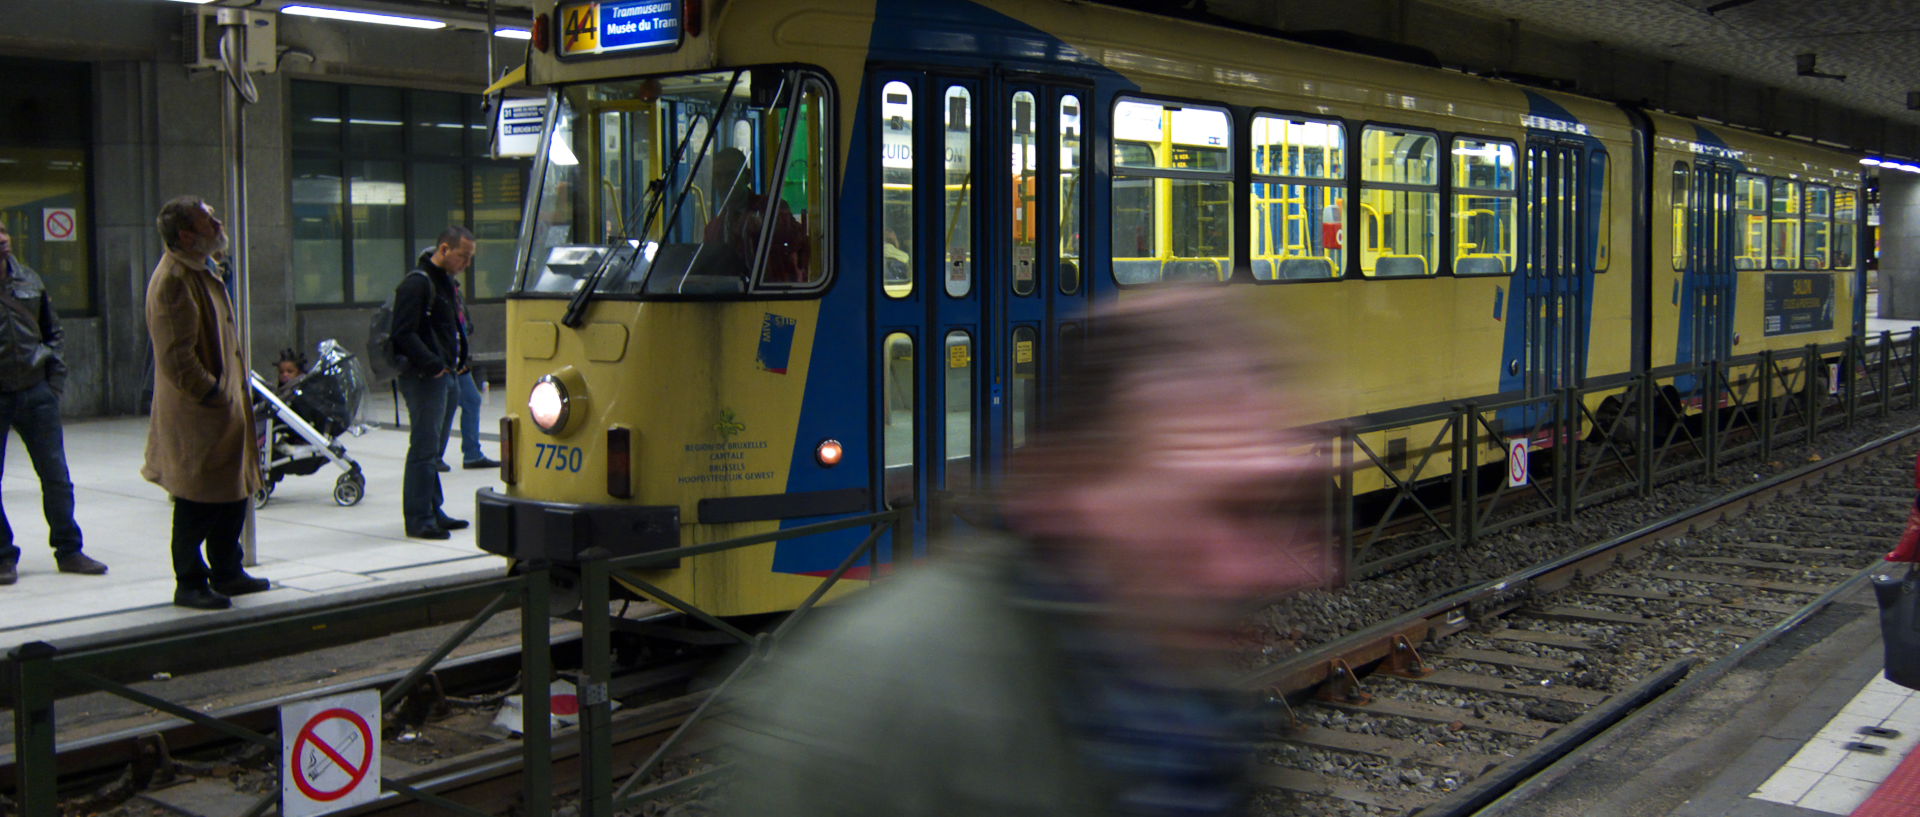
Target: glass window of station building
(44, 202)
(377, 173)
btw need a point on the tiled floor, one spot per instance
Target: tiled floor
(1825, 775)
(305, 543)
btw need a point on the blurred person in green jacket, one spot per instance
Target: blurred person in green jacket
(1075, 659)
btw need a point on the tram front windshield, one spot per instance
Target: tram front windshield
(698, 185)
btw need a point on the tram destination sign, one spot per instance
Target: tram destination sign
(619, 27)
(1798, 302)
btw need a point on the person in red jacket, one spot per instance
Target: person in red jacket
(1909, 548)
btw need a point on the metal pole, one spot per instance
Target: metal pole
(233, 132)
(596, 713)
(536, 664)
(1766, 404)
(36, 764)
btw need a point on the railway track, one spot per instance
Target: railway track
(1441, 710)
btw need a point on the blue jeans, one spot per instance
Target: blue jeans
(468, 405)
(35, 413)
(427, 402)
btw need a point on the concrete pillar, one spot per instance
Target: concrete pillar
(1900, 246)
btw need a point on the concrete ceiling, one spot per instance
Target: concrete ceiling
(1873, 43)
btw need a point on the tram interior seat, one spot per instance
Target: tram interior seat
(1400, 266)
(1292, 269)
(1480, 265)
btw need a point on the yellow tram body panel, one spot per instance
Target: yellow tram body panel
(707, 420)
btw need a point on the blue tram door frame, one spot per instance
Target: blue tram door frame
(1708, 281)
(1557, 243)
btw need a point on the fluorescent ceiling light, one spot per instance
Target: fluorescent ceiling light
(1870, 161)
(195, 2)
(362, 17)
(513, 33)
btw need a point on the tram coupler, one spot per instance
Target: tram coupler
(1405, 661)
(1341, 685)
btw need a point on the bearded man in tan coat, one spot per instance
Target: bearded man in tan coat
(200, 446)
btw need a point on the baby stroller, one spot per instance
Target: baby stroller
(302, 421)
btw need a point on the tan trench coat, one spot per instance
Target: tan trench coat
(199, 447)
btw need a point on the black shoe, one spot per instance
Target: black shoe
(240, 585)
(428, 532)
(80, 563)
(442, 467)
(9, 572)
(450, 523)
(483, 462)
(199, 598)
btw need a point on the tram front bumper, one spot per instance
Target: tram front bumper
(536, 530)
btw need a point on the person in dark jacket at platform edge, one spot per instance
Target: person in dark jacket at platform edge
(200, 443)
(431, 349)
(32, 379)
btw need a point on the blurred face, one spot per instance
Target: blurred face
(454, 259)
(288, 370)
(1207, 509)
(6, 245)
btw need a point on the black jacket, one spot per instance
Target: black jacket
(426, 326)
(29, 350)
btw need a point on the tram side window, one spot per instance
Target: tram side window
(1750, 222)
(1817, 227)
(957, 222)
(959, 411)
(1785, 220)
(1025, 179)
(1073, 224)
(1846, 226)
(1682, 204)
(796, 252)
(1299, 198)
(1172, 192)
(1024, 410)
(1603, 196)
(896, 189)
(1484, 194)
(1399, 202)
(896, 355)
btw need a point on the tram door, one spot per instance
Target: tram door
(1554, 283)
(1710, 263)
(974, 255)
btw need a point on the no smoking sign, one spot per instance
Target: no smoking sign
(329, 753)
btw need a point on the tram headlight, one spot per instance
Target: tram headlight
(548, 404)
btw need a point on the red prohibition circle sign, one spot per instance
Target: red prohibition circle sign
(355, 773)
(1517, 463)
(60, 225)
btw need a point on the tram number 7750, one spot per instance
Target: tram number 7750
(555, 457)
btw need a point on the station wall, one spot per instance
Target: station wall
(156, 134)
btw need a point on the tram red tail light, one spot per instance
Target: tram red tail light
(620, 462)
(691, 25)
(506, 450)
(540, 26)
(829, 453)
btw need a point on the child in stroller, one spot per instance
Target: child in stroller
(303, 417)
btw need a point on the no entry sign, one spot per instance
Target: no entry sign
(329, 753)
(58, 223)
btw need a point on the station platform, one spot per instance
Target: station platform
(1804, 727)
(305, 543)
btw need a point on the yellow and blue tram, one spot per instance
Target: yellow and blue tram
(787, 261)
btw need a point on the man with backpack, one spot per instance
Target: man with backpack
(428, 349)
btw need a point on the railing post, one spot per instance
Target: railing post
(596, 670)
(901, 548)
(1886, 372)
(35, 765)
(1850, 377)
(1461, 476)
(1643, 436)
(1345, 507)
(536, 667)
(1766, 404)
(1810, 405)
(1710, 397)
(1566, 458)
(1470, 417)
(1913, 367)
